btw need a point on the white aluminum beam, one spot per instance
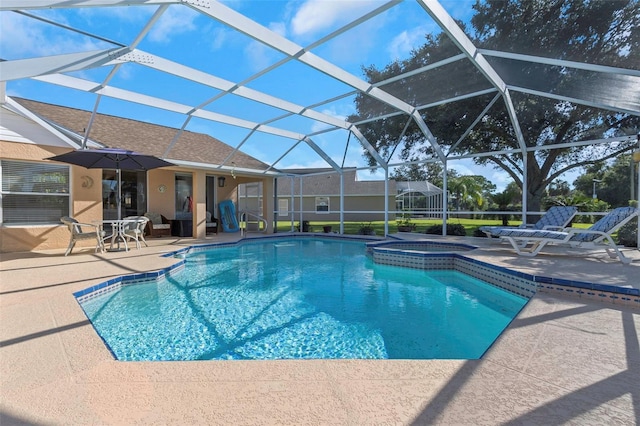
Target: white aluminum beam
(256, 31)
(16, 107)
(561, 63)
(89, 86)
(200, 77)
(272, 165)
(475, 122)
(459, 98)
(322, 154)
(67, 4)
(115, 69)
(448, 25)
(32, 67)
(574, 100)
(427, 132)
(365, 143)
(455, 33)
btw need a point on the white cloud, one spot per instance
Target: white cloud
(121, 14)
(500, 179)
(340, 112)
(31, 38)
(317, 15)
(279, 28)
(259, 56)
(315, 163)
(176, 20)
(403, 43)
(219, 38)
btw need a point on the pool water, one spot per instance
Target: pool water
(305, 298)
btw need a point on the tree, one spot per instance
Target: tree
(616, 181)
(598, 32)
(468, 191)
(503, 200)
(559, 187)
(430, 172)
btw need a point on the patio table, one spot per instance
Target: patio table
(118, 226)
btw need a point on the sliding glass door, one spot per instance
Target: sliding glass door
(133, 193)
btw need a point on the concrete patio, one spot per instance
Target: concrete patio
(563, 360)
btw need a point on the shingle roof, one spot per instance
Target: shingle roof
(147, 138)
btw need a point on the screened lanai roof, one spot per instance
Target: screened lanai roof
(426, 188)
(311, 83)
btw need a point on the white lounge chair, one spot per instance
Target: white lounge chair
(556, 218)
(83, 231)
(529, 242)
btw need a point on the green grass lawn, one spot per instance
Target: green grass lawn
(470, 225)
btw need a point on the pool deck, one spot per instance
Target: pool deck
(563, 360)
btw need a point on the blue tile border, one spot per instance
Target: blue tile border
(407, 254)
(602, 292)
(116, 283)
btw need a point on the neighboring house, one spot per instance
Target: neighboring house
(363, 200)
(36, 192)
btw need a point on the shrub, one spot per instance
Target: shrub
(628, 234)
(366, 229)
(478, 233)
(452, 229)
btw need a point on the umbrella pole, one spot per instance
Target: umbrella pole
(119, 203)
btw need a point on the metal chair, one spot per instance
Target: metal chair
(83, 231)
(134, 230)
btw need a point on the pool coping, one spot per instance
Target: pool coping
(58, 370)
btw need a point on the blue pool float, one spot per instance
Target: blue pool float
(228, 216)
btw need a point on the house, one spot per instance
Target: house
(363, 199)
(36, 192)
(320, 200)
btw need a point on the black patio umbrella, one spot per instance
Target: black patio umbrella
(112, 158)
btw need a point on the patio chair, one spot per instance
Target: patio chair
(529, 242)
(556, 218)
(158, 225)
(212, 224)
(134, 230)
(83, 231)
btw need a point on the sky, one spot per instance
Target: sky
(185, 36)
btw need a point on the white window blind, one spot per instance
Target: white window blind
(33, 193)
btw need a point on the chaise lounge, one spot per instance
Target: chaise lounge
(529, 242)
(556, 218)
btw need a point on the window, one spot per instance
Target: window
(33, 193)
(322, 204)
(184, 196)
(283, 207)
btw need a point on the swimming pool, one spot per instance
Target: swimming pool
(301, 298)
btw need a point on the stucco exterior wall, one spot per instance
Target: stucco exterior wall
(86, 199)
(360, 205)
(86, 203)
